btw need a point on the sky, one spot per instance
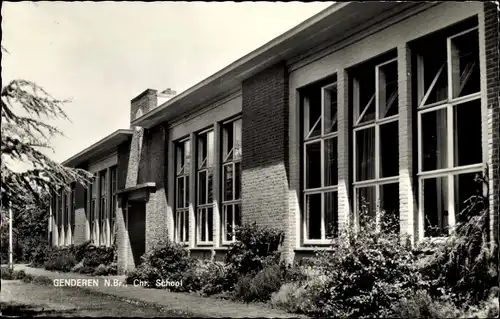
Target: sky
(102, 54)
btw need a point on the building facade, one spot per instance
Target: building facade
(373, 107)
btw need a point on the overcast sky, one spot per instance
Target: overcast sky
(101, 55)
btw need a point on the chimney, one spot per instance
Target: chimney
(166, 95)
(143, 103)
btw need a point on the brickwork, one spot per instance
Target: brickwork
(492, 34)
(145, 102)
(80, 217)
(265, 149)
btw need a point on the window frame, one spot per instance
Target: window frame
(114, 203)
(182, 213)
(323, 190)
(225, 162)
(103, 208)
(451, 171)
(377, 181)
(208, 169)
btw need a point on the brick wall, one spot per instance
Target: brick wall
(80, 216)
(265, 149)
(491, 21)
(156, 206)
(145, 101)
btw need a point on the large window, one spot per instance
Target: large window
(92, 217)
(181, 218)
(231, 179)
(72, 214)
(319, 105)
(204, 173)
(449, 125)
(375, 141)
(114, 201)
(103, 211)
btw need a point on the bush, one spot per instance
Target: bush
(368, 271)
(421, 305)
(40, 255)
(9, 274)
(255, 247)
(290, 297)
(61, 260)
(204, 276)
(165, 261)
(464, 265)
(259, 287)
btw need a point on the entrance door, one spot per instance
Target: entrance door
(137, 229)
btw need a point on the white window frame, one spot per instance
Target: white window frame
(230, 162)
(377, 181)
(206, 166)
(321, 138)
(114, 203)
(451, 171)
(182, 213)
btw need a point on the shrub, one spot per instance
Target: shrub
(259, 287)
(289, 297)
(464, 265)
(255, 247)
(165, 261)
(94, 256)
(367, 272)
(7, 273)
(61, 260)
(421, 305)
(207, 277)
(40, 255)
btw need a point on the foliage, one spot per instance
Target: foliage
(422, 305)
(9, 274)
(464, 265)
(259, 287)
(61, 259)
(255, 247)
(206, 277)
(24, 138)
(165, 261)
(366, 273)
(104, 270)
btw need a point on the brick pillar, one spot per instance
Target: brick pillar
(492, 122)
(96, 221)
(265, 149)
(343, 147)
(408, 216)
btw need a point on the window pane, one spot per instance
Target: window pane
(313, 216)
(388, 90)
(237, 139)
(366, 204)
(202, 225)
(180, 192)
(365, 154)
(312, 112)
(465, 188)
(227, 142)
(435, 71)
(364, 99)
(187, 156)
(210, 149)
(237, 214)
(210, 222)
(229, 221)
(202, 187)
(237, 180)
(330, 109)
(228, 182)
(179, 158)
(465, 64)
(202, 151)
(389, 149)
(331, 215)
(434, 140)
(389, 205)
(467, 137)
(186, 225)
(186, 191)
(313, 165)
(331, 162)
(210, 190)
(435, 208)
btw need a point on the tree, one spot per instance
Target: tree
(24, 137)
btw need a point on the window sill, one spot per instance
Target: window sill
(313, 249)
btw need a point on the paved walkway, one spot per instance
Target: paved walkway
(193, 304)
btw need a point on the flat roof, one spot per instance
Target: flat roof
(99, 148)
